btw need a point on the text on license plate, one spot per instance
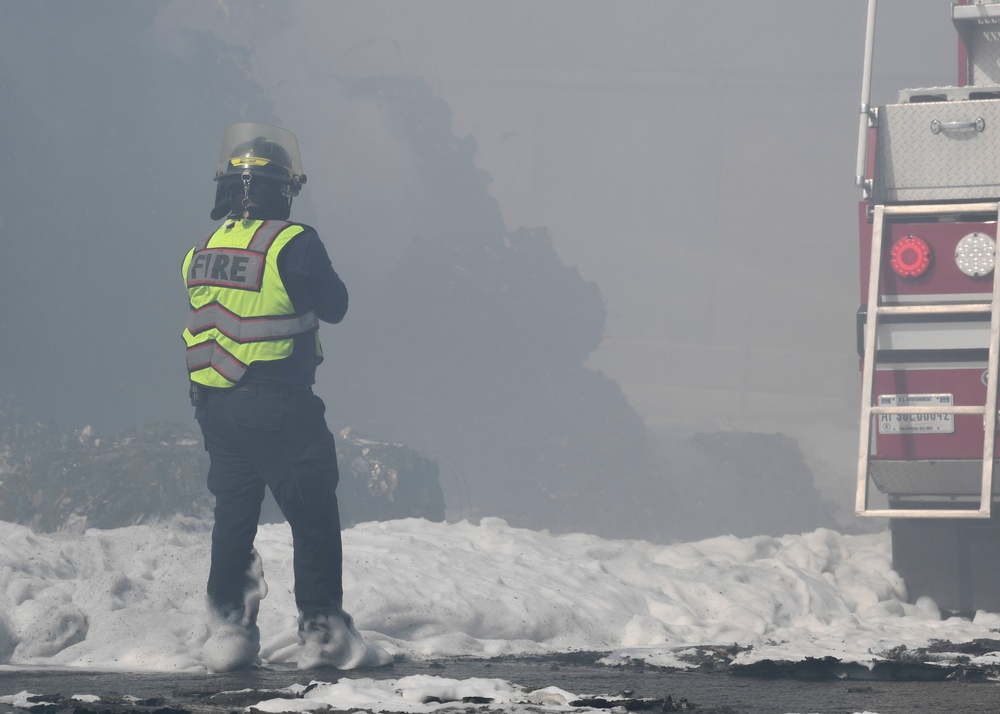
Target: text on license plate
(916, 423)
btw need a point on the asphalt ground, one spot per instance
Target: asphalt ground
(792, 690)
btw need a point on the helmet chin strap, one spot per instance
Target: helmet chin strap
(246, 197)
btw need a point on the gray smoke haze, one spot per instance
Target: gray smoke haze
(559, 221)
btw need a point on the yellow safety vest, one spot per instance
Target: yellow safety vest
(240, 309)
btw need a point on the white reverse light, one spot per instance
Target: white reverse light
(976, 255)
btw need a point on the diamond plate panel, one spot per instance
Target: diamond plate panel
(984, 53)
(936, 151)
(931, 478)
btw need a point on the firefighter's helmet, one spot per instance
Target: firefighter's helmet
(260, 156)
(257, 154)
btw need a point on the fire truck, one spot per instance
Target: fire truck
(929, 170)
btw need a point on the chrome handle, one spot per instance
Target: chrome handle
(937, 127)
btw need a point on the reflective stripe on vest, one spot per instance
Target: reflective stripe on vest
(249, 329)
(237, 317)
(212, 355)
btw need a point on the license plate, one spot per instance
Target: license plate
(916, 423)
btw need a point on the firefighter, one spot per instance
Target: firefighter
(258, 288)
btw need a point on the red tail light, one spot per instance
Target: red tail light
(910, 257)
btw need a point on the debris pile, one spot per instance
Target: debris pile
(54, 480)
(380, 482)
(744, 484)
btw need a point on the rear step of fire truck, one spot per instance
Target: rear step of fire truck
(876, 310)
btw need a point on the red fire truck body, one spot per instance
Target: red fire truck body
(929, 323)
(924, 358)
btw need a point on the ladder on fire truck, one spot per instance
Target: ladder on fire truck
(876, 311)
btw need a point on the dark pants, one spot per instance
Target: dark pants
(259, 437)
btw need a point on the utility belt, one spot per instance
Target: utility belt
(199, 393)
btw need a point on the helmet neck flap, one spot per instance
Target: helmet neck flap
(259, 199)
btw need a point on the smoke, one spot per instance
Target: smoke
(671, 179)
